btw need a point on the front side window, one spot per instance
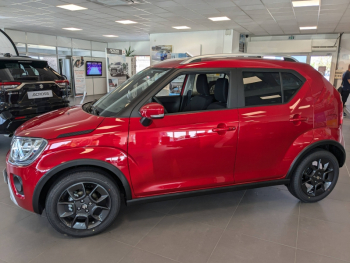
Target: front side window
(113, 102)
(262, 88)
(174, 88)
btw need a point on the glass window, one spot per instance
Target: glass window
(173, 88)
(21, 47)
(291, 84)
(262, 88)
(98, 54)
(25, 70)
(40, 49)
(64, 51)
(115, 101)
(82, 52)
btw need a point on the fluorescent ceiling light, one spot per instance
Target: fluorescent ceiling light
(181, 27)
(110, 36)
(72, 7)
(221, 18)
(270, 97)
(126, 22)
(306, 3)
(308, 27)
(72, 28)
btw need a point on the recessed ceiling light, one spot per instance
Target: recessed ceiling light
(110, 36)
(306, 3)
(72, 7)
(221, 18)
(181, 27)
(72, 28)
(308, 27)
(125, 22)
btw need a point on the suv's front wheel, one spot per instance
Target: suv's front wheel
(315, 177)
(83, 203)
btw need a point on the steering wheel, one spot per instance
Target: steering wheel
(155, 99)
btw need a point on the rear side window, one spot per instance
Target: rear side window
(26, 70)
(262, 88)
(291, 84)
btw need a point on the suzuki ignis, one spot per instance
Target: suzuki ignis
(235, 123)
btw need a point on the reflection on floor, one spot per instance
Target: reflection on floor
(259, 225)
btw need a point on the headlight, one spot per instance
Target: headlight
(25, 150)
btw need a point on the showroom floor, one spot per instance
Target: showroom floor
(260, 225)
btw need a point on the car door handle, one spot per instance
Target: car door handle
(227, 128)
(298, 119)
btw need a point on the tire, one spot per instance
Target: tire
(312, 181)
(83, 202)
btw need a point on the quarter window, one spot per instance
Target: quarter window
(291, 84)
(262, 88)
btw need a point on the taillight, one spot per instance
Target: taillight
(62, 83)
(9, 85)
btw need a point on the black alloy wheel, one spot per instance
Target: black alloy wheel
(315, 177)
(84, 205)
(83, 202)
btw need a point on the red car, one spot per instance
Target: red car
(264, 122)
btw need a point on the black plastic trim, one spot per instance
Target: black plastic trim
(206, 191)
(74, 133)
(309, 148)
(13, 44)
(81, 162)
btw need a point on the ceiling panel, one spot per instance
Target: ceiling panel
(260, 17)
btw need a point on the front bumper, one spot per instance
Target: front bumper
(7, 180)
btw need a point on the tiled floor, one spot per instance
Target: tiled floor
(260, 225)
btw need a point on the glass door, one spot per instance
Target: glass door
(322, 64)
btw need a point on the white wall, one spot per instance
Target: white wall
(142, 48)
(213, 42)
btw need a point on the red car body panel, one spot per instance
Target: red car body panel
(191, 150)
(182, 152)
(54, 123)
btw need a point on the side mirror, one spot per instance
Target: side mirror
(151, 111)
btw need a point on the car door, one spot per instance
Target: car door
(275, 110)
(184, 150)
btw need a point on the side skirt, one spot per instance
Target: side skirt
(206, 191)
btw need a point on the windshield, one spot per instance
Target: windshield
(25, 70)
(120, 97)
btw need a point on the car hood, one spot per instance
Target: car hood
(60, 122)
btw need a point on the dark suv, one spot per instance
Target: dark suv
(28, 87)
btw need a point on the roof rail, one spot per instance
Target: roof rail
(230, 55)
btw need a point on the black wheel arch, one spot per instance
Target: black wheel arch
(329, 145)
(45, 182)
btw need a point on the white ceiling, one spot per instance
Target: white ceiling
(256, 17)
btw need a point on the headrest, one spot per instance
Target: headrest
(221, 90)
(202, 85)
(17, 71)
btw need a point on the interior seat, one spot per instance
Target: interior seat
(202, 101)
(220, 93)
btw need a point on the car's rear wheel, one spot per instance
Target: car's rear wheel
(315, 177)
(83, 203)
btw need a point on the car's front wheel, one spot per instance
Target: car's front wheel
(315, 177)
(83, 203)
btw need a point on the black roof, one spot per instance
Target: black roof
(20, 58)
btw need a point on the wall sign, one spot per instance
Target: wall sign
(79, 75)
